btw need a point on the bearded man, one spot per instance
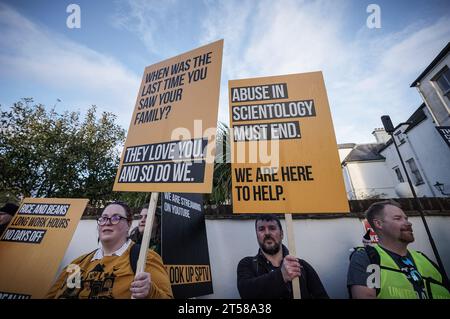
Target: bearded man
(269, 274)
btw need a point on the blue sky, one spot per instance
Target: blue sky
(367, 71)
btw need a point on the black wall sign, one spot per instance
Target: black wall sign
(445, 133)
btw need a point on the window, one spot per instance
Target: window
(399, 174)
(400, 137)
(415, 172)
(443, 81)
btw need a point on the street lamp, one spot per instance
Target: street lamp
(390, 129)
(440, 188)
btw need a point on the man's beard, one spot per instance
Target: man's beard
(272, 250)
(405, 236)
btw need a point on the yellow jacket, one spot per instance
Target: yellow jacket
(110, 277)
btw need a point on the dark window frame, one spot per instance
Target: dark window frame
(417, 176)
(399, 174)
(444, 73)
(400, 137)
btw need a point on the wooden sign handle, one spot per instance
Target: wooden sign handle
(293, 252)
(147, 233)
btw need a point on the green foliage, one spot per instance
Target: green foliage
(221, 193)
(136, 200)
(47, 154)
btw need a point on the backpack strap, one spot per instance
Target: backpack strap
(374, 258)
(371, 252)
(444, 283)
(353, 251)
(373, 255)
(134, 256)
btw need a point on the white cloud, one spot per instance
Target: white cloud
(30, 53)
(381, 85)
(367, 71)
(149, 20)
(367, 75)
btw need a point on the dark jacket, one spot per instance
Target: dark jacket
(3, 228)
(155, 243)
(258, 278)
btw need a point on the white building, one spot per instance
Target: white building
(365, 172)
(425, 154)
(375, 170)
(433, 84)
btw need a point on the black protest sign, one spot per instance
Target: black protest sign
(185, 245)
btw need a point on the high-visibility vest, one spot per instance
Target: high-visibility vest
(395, 285)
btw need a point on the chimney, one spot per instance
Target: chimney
(380, 135)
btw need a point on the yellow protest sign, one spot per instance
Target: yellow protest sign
(284, 152)
(33, 245)
(170, 141)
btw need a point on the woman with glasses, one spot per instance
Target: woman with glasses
(107, 272)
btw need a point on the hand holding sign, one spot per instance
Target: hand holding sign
(140, 287)
(290, 268)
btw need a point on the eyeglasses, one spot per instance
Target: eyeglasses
(114, 220)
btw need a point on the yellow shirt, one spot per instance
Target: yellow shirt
(111, 277)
